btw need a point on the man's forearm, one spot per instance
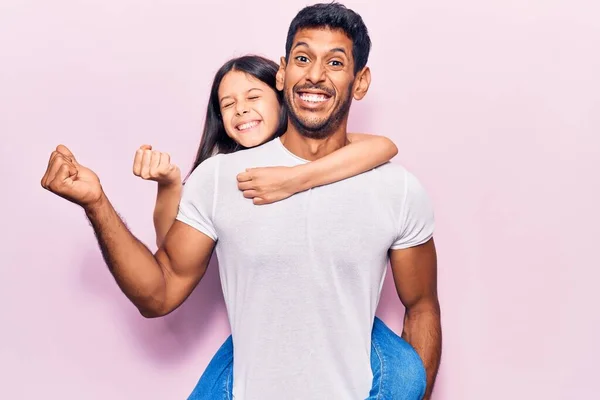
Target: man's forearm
(133, 266)
(422, 329)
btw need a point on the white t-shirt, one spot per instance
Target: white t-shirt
(302, 277)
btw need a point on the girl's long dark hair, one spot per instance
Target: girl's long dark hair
(214, 138)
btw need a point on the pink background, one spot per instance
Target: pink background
(495, 105)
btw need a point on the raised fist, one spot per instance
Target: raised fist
(71, 180)
(155, 166)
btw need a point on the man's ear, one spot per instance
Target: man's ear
(280, 77)
(362, 83)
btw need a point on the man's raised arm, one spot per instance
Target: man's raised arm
(155, 283)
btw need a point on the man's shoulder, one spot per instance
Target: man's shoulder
(395, 172)
(207, 167)
(248, 155)
(391, 169)
(395, 180)
(390, 173)
(210, 165)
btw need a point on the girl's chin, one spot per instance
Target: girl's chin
(247, 143)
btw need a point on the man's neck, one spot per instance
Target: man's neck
(313, 149)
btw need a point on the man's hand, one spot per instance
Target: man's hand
(156, 166)
(268, 184)
(71, 180)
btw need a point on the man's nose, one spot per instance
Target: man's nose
(316, 73)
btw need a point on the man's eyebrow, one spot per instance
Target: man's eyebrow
(338, 50)
(301, 44)
(334, 50)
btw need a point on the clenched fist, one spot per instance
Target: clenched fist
(71, 180)
(155, 166)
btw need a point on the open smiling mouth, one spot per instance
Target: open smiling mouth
(312, 100)
(247, 126)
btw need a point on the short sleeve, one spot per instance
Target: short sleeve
(198, 200)
(417, 220)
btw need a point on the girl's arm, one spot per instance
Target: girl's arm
(166, 209)
(364, 153)
(270, 184)
(156, 166)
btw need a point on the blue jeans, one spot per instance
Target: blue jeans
(398, 372)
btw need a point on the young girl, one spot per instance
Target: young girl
(245, 86)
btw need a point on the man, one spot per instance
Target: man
(301, 277)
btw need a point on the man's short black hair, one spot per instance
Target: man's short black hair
(333, 16)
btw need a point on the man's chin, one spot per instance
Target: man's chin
(309, 122)
(312, 129)
(312, 126)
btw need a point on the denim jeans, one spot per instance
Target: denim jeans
(398, 372)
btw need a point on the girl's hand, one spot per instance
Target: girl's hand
(267, 185)
(153, 165)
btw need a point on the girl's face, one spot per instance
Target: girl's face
(249, 108)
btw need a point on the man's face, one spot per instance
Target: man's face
(318, 81)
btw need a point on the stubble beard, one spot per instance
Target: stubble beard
(319, 129)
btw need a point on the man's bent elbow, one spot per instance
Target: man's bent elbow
(155, 308)
(148, 312)
(151, 307)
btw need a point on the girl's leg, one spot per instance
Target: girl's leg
(216, 383)
(398, 372)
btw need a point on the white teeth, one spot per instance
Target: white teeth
(313, 98)
(247, 125)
